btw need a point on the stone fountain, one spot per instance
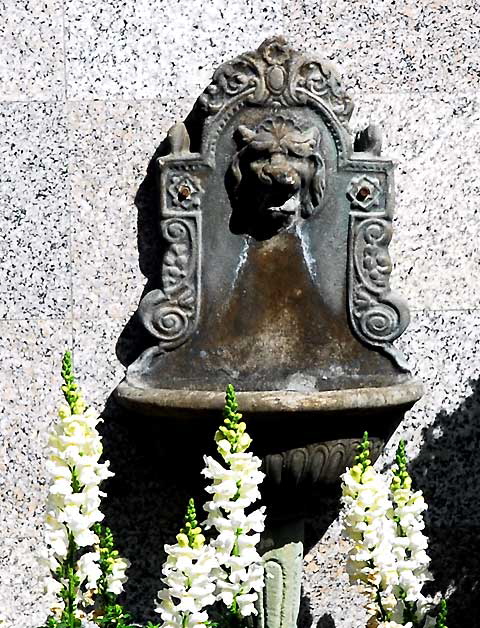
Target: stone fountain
(275, 278)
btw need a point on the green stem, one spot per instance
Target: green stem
(71, 585)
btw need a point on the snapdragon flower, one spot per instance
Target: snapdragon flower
(73, 504)
(73, 513)
(366, 521)
(189, 586)
(385, 522)
(410, 543)
(112, 566)
(233, 490)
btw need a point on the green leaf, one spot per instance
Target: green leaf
(442, 615)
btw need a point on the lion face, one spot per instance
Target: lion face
(278, 176)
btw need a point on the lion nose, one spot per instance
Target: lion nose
(281, 172)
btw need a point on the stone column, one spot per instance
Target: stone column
(279, 602)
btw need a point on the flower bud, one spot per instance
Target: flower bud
(182, 539)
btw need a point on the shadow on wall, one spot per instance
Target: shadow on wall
(146, 503)
(447, 470)
(134, 339)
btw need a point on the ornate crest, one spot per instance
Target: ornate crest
(275, 74)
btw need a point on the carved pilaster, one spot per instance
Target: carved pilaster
(171, 313)
(279, 602)
(377, 315)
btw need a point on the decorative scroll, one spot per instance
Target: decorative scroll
(314, 463)
(377, 315)
(170, 314)
(319, 79)
(275, 74)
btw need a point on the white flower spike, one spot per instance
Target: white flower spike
(72, 527)
(410, 544)
(233, 491)
(188, 577)
(388, 558)
(366, 508)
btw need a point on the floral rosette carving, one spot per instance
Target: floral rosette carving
(184, 192)
(364, 192)
(275, 51)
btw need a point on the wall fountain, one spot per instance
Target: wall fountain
(275, 278)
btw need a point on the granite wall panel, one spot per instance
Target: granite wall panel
(87, 92)
(32, 53)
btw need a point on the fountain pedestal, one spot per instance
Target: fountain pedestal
(275, 223)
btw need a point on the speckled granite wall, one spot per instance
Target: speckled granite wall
(87, 91)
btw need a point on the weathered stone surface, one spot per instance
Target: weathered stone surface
(275, 228)
(34, 198)
(267, 402)
(32, 53)
(137, 50)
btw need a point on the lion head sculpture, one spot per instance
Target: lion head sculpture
(277, 176)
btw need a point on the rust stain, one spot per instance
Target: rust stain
(275, 315)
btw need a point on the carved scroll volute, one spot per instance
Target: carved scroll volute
(171, 312)
(378, 317)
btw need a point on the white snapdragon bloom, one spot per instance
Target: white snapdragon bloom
(385, 523)
(410, 543)
(88, 569)
(75, 476)
(189, 586)
(367, 522)
(233, 491)
(117, 577)
(79, 551)
(366, 507)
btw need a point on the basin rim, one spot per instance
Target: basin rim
(162, 401)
